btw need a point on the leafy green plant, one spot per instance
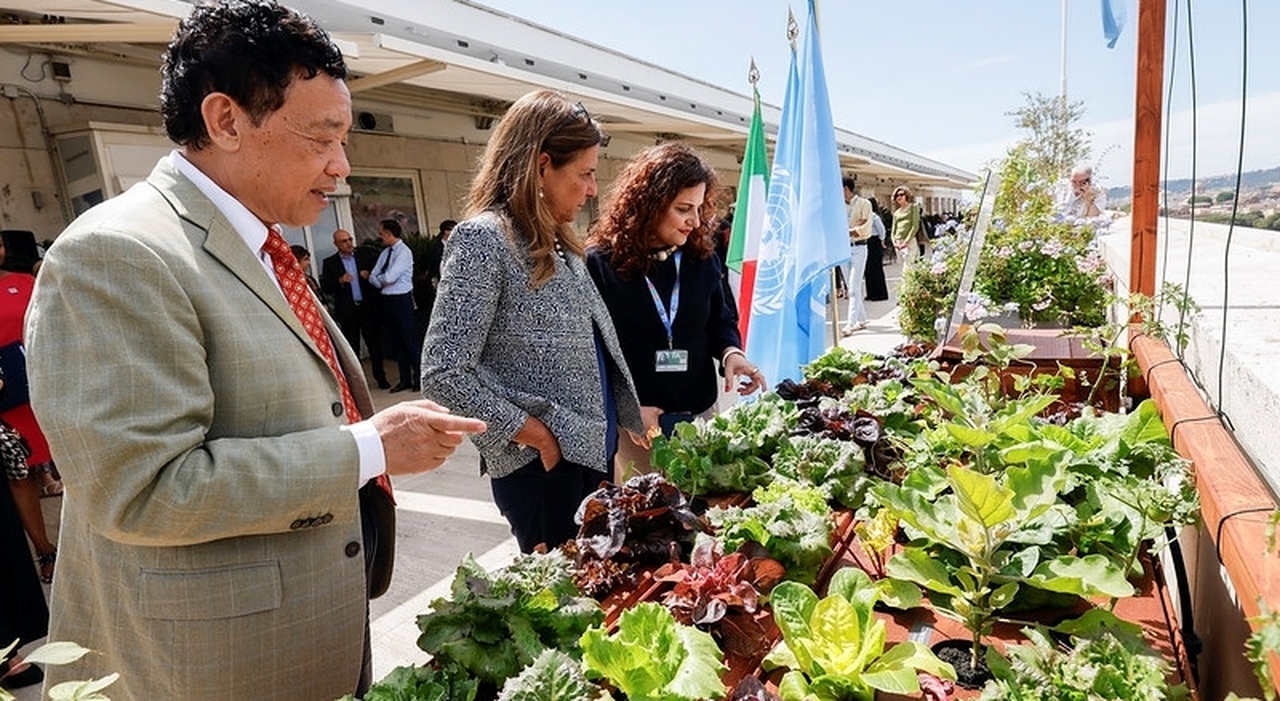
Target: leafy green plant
(554, 676)
(447, 683)
(877, 537)
(835, 647)
(1125, 481)
(729, 452)
(837, 467)
(1261, 645)
(977, 544)
(1108, 665)
(791, 520)
(494, 625)
(971, 426)
(1150, 314)
(57, 653)
(651, 657)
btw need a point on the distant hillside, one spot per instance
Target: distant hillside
(1252, 180)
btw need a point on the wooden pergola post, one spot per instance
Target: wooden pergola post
(1148, 119)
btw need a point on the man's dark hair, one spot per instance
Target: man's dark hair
(447, 225)
(252, 50)
(392, 226)
(850, 182)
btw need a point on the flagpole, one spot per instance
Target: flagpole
(1064, 55)
(833, 301)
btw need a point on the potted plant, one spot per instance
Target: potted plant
(834, 647)
(983, 538)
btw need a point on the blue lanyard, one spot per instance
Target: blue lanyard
(668, 318)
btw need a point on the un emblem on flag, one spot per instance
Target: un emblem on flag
(776, 264)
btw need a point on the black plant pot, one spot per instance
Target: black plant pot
(957, 652)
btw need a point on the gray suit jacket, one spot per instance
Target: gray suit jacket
(501, 351)
(210, 544)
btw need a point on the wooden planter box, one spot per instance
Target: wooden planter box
(1151, 608)
(1054, 348)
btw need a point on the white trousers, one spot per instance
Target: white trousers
(853, 284)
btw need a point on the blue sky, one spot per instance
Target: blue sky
(937, 77)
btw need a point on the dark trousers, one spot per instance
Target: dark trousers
(877, 290)
(540, 504)
(369, 536)
(362, 321)
(403, 342)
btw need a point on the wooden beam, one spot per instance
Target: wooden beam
(1148, 119)
(395, 75)
(149, 33)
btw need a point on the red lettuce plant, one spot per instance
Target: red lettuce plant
(721, 593)
(645, 521)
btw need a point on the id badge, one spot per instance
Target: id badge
(674, 360)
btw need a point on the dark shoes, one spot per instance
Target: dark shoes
(400, 388)
(383, 384)
(27, 677)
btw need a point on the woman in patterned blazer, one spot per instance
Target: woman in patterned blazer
(519, 336)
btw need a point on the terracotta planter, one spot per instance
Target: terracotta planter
(1054, 348)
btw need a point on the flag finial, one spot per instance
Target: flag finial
(753, 75)
(793, 28)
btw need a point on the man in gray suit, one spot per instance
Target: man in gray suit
(211, 543)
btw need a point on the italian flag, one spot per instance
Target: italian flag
(748, 220)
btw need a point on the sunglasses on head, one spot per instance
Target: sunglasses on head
(579, 112)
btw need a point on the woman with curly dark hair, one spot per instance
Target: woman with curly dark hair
(651, 255)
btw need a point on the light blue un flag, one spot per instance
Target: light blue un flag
(1113, 18)
(805, 232)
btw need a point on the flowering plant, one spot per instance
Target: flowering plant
(1033, 261)
(1050, 269)
(929, 287)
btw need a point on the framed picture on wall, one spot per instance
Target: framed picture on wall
(384, 194)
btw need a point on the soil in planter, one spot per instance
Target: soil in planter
(957, 653)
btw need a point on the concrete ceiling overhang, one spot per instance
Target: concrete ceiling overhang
(386, 66)
(381, 55)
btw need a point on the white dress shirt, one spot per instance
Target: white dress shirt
(373, 461)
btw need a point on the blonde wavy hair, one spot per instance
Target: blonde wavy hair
(543, 121)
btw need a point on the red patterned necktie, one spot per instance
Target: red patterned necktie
(303, 302)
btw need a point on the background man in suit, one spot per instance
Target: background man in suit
(426, 275)
(393, 275)
(355, 301)
(211, 537)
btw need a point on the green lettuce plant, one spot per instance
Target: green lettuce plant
(496, 624)
(554, 676)
(729, 452)
(978, 543)
(651, 657)
(835, 647)
(1111, 663)
(447, 683)
(57, 653)
(791, 520)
